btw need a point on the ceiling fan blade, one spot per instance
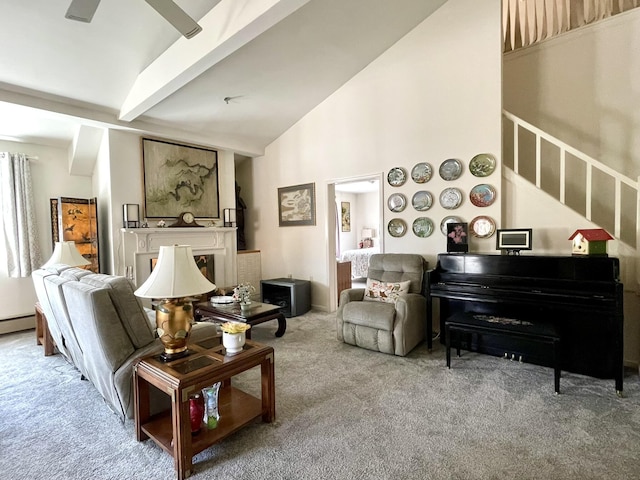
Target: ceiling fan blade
(82, 10)
(177, 17)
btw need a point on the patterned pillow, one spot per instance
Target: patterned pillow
(389, 292)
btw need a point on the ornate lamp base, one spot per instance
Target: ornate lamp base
(174, 318)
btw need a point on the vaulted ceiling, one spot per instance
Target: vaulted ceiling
(257, 67)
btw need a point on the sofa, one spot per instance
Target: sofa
(101, 328)
(389, 315)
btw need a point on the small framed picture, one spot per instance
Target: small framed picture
(457, 237)
(297, 205)
(345, 207)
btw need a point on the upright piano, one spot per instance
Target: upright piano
(581, 296)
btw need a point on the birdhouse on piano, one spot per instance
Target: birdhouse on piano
(590, 241)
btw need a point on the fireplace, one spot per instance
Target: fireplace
(204, 263)
(214, 247)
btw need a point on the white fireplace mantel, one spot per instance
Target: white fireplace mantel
(141, 245)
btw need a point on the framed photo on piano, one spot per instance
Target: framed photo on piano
(457, 237)
(511, 241)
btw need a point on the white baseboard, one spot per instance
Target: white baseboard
(17, 324)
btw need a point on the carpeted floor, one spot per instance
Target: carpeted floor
(342, 413)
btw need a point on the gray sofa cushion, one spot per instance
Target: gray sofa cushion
(398, 267)
(101, 335)
(129, 308)
(378, 315)
(68, 343)
(74, 273)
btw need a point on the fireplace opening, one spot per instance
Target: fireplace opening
(204, 263)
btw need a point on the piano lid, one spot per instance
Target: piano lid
(552, 267)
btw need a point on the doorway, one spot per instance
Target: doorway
(354, 224)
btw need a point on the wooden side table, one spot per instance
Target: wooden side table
(206, 365)
(43, 336)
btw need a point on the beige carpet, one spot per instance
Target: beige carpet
(342, 413)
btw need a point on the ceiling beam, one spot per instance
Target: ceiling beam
(226, 28)
(84, 150)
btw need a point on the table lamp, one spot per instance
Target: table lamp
(66, 253)
(174, 280)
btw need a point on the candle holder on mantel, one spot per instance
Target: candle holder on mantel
(229, 217)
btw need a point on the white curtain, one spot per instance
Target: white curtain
(20, 237)
(525, 22)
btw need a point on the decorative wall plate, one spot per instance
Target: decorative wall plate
(397, 202)
(451, 169)
(482, 195)
(422, 200)
(447, 220)
(482, 165)
(421, 172)
(482, 226)
(451, 198)
(397, 227)
(397, 176)
(422, 227)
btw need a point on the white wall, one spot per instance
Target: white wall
(583, 88)
(435, 94)
(50, 177)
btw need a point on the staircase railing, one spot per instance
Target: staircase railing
(590, 163)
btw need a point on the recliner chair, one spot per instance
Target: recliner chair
(389, 315)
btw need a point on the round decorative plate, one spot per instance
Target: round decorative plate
(482, 165)
(447, 220)
(482, 226)
(397, 176)
(451, 169)
(422, 200)
(422, 227)
(397, 227)
(397, 202)
(451, 198)
(421, 172)
(482, 195)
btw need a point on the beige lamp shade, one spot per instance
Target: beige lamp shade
(367, 233)
(66, 253)
(176, 275)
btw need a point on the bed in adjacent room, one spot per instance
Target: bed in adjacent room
(359, 259)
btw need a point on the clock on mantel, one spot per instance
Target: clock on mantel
(186, 219)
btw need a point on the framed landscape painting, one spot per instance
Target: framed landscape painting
(297, 205)
(179, 178)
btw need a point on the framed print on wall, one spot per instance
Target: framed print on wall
(179, 178)
(345, 208)
(297, 205)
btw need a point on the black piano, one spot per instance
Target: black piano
(580, 296)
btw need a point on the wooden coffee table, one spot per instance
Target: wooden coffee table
(206, 365)
(256, 313)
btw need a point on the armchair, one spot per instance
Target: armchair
(389, 314)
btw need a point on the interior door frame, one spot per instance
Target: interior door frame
(330, 228)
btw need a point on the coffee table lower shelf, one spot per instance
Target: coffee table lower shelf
(236, 408)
